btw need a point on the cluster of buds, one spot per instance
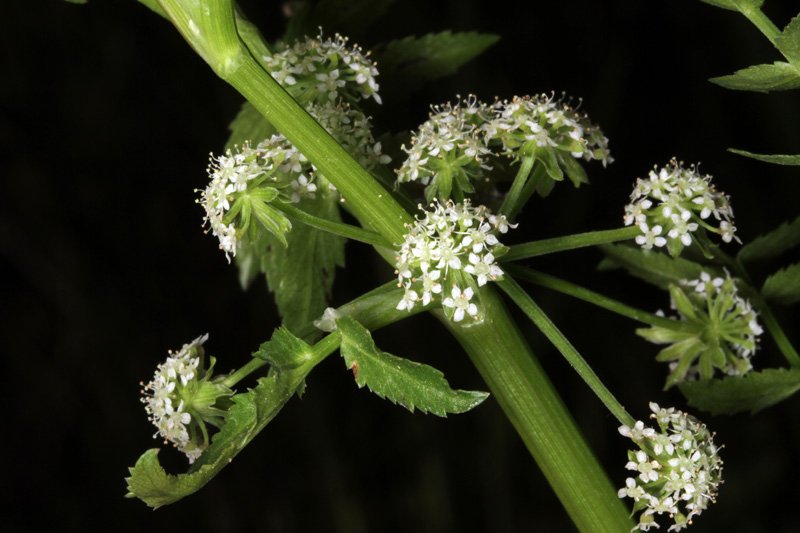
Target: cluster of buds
(678, 469)
(182, 397)
(452, 149)
(450, 250)
(715, 329)
(325, 70)
(674, 205)
(249, 183)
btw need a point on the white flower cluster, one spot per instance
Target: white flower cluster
(675, 202)
(453, 148)
(318, 69)
(275, 169)
(678, 469)
(720, 330)
(449, 148)
(527, 123)
(164, 405)
(447, 251)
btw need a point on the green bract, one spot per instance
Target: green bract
(718, 329)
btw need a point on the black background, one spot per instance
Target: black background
(107, 122)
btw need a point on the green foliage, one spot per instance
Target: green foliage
(735, 5)
(788, 42)
(778, 159)
(284, 351)
(248, 126)
(735, 394)
(783, 286)
(301, 274)
(653, 267)
(407, 64)
(779, 76)
(348, 17)
(248, 415)
(77, 1)
(410, 384)
(783, 238)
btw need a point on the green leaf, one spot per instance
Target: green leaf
(651, 266)
(301, 273)
(407, 64)
(348, 17)
(778, 159)
(248, 126)
(284, 351)
(412, 385)
(152, 5)
(788, 42)
(783, 286)
(734, 394)
(735, 5)
(249, 414)
(783, 238)
(779, 76)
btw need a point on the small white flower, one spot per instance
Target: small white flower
(327, 322)
(460, 301)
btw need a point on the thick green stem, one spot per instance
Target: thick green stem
(554, 335)
(761, 21)
(336, 228)
(600, 300)
(529, 400)
(569, 242)
(511, 203)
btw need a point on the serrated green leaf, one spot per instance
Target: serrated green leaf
(284, 351)
(778, 159)
(249, 414)
(348, 17)
(406, 64)
(783, 238)
(301, 273)
(788, 42)
(735, 394)
(248, 126)
(779, 76)
(407, 383)
(653, 267)
(783, 286)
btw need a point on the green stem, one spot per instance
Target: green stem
(761, 21)
(529, 400)
(569, 242)
(337, 228)
(511, 203)
(539, 174)
(554, 335)
(247, 369)
(209, 28)
(600, 300)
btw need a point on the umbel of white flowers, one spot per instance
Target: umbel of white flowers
(248, 182)
(450, 251)
(453, 149)
(182, 397)
(324, 70)
(719, 330)
(677, 469)
(674, 205)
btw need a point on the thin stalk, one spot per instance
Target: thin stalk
(594, 298)
(761, 21)
(539, 174)
(532, 405)
(562, 344)
(336, 228)
(569, 242)
(248, 368)
(511, 203)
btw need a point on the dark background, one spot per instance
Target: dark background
(107, 119)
